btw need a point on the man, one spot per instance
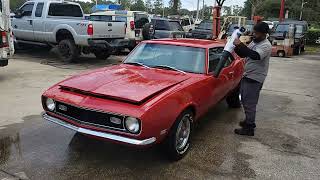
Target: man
(257, 56)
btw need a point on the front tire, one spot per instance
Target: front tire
(68, 50)
(178, 141)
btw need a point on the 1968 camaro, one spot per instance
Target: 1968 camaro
(153, 97)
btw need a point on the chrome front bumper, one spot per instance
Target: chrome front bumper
(100, 134)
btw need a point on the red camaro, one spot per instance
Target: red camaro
(153, 97)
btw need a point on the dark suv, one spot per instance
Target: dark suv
(164, 28)
(203, 31)
(300, 30)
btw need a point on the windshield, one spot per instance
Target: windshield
(175, 26)
(188, 59)
(282, 28)
(100, 18)
(299, 29)
(205, 25)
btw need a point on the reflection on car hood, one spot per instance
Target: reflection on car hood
(124, 82)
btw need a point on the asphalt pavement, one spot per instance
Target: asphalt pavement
(286, 144)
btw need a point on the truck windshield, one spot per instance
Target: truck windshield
(188, 59)
(100, 18)
(205, 25)
(62, 9)
(282, 28)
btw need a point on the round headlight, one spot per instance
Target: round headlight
(132, 124)
(51, 105)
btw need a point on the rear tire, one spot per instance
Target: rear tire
(233, 100)
(68, 50)
(281, 53)
(102, 54)
(177, 143)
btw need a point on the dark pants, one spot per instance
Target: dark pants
(250, 91)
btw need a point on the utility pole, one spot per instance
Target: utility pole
(162, 8)
(203, 9)
(302, 5)
(197, 17)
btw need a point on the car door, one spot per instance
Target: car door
(38, 23)
(23, 26)
(223, 83)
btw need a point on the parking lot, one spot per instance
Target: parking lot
(286, 144)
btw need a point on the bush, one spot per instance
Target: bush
(312, 36)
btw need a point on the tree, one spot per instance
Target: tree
(149, 5)
(236, 10)
(138, 6)
(158, 7)
(175, 5)
(226, 10)
(125, 4)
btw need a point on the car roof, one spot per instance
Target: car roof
(199, 43)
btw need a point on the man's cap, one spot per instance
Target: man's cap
(262, 27)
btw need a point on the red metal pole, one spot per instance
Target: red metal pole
(281, 16)
(216, 21)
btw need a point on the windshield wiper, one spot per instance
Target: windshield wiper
(169, 67)
(137, 64)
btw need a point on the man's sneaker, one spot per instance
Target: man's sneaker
(244, 124)
(245, 131)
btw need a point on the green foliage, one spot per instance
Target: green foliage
(312, 36)
(149, 5)
(175, 5)
(270, 9)
(138, 6)
(158, 7)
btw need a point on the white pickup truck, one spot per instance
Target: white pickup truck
(62, 23)
(6, 40)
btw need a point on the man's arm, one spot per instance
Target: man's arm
(243, 51)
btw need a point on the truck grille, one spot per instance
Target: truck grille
(89, 117)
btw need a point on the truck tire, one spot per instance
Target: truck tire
(147, 31)
(182, 130)
(233, 99)
(101, 54)
(68, 50)
(281, 53)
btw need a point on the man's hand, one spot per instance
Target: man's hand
(237, 42)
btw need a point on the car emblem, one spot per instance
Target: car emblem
(62, 107)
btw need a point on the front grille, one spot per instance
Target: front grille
(89, 117)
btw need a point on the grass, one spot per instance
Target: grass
(313, 48)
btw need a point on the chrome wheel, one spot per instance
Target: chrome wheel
(183, 133)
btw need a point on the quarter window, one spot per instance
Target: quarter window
(39, 9)
(214, 58)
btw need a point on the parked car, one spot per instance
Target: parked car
(62, 23)
(154, 97)
(164, 28)
(135, 22)
(301, 28)
(6, 39)
(203, 31)
(186, 22)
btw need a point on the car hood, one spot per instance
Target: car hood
(124, 83)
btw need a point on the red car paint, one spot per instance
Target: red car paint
(155, 96)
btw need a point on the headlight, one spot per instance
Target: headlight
(132, 124)
(51, 105)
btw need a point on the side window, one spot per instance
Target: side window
(214, 58)
(63, 9)
(27, 9)
(39, 9)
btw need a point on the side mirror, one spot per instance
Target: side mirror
(18, 13)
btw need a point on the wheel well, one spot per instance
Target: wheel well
(63, 34)
(192, 108)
